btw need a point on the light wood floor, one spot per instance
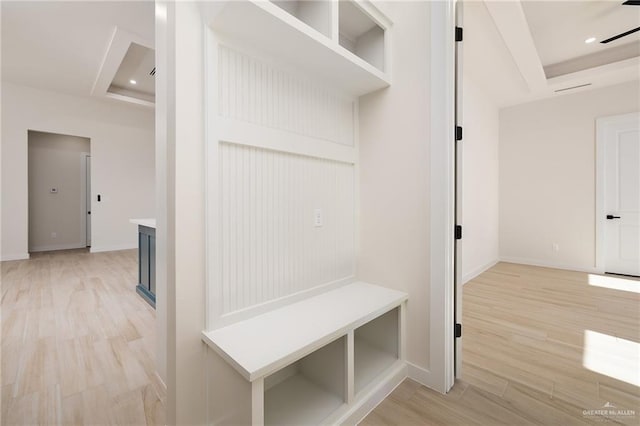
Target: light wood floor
(78, 343)
(525, 354)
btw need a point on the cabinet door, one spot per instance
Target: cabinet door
(152, 264)
(143, 244)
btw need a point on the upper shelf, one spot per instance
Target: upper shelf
(306, 37)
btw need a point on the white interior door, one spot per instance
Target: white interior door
(459, 146)
(621, 137)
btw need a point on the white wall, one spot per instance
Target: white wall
(547, 175)
(122, 149)
(486, 59)
(57, 219)
(394, 176)
(480, 209)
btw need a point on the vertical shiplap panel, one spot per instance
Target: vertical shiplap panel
(243, 82)
(231, 83)
(223, 84)
(225, 203)
(247, 80)
(277, 210)
(253, 100)
(253, 276)
(259, 93)
(231, 224)
(270, 245)
(245, 253)
(345, 220)
(239, 218)
(259, 236)
(270, 101)
(270, 215)
(277, 96)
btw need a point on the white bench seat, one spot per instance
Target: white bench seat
(264, 344)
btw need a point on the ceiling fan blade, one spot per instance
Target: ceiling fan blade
(615, 37)
(632, 3)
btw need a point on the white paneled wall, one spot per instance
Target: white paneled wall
(255, 92)
(282, 147)
(270, 246)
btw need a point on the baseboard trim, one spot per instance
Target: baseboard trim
(100, 249)
(477, 271)
(545, 264)
(58, 247)
(422, 376)
(10, 257)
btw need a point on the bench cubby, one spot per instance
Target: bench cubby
(316, 361)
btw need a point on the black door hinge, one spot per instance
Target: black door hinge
(458, 33)
(458, 133)
(458, 232)
(458, 330)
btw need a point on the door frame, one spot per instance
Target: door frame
(600, 226)
(458, 188)
(442, 198)
(85, 195)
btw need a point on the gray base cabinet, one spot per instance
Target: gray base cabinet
(147, 264)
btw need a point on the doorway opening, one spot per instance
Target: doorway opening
(59, 168)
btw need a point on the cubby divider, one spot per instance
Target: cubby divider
(360, 34)
(314, 13)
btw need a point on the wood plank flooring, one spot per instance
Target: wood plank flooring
(78, 344)
(540, 346)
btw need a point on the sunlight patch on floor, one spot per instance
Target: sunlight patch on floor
(614, 283)
(612, 356)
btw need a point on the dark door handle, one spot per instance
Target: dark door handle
(610, 216)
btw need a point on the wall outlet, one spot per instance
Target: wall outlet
(317, 217)
(556, 247)
(54, 235)
(53, 190)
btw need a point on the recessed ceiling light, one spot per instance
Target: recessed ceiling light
(590, 40)
(133, 82)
